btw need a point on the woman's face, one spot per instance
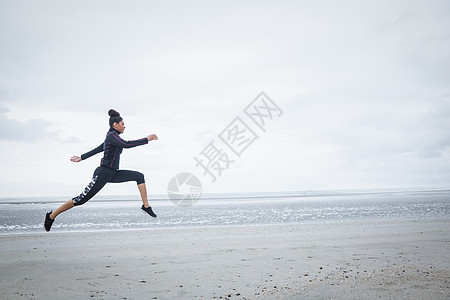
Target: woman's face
(120, 127)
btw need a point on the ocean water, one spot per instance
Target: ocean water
(26, 215)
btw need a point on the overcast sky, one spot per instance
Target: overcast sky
(364, 87)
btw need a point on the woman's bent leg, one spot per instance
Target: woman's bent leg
(126, 175)
(143, 191)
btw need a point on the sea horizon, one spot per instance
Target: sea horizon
(231, 195)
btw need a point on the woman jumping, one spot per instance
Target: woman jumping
(109, 169)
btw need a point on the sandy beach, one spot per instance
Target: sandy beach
(387, 260)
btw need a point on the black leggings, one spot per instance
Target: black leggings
(103, 175)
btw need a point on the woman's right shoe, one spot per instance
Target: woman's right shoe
(148, 210)
(48, 221)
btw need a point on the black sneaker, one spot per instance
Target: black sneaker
(148, 210)
(48, 221)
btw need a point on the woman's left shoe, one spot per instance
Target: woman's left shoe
(148, 210)
(48, 221)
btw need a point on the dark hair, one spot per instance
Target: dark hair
(114, 117)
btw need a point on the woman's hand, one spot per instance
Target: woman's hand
(152, 137)
(75, 158)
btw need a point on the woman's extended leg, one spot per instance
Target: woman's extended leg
(50, 216)
(101, 177)
(66, 206)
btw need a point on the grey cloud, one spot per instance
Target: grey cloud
(29, 131)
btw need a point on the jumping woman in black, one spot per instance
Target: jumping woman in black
(109, 169)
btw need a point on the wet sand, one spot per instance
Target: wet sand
(396, 260)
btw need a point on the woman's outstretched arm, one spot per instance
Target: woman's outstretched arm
(75, 158)
(92, 152)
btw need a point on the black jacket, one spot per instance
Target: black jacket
(112, 148)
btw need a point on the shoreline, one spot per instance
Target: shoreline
(389, 259)
(56, 230)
